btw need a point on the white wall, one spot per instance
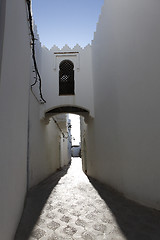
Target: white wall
(44, 138)
(47, 150)
(64, 156)
(14, 92)
(69, 136)
(83, 77)
(2, 24)
(126, 70)
(88, 146)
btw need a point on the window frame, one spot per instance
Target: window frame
(66, 78)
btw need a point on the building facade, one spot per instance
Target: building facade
(113, 84)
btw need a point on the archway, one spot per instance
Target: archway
(84, 118)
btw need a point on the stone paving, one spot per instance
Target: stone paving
(69, 206)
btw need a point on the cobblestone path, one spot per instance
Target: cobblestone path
(69, 206)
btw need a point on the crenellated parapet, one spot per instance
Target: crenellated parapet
(62, 69)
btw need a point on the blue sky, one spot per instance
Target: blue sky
(63, 22)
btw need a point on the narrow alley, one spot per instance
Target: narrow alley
(69, 206)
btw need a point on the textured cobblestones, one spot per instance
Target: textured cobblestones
(69, 206)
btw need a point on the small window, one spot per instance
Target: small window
(66, 78)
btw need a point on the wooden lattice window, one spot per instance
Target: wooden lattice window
(66, 78)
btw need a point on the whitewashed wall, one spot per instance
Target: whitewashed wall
(88, 146)
(65, 138)
(126, 70)
(44, 155)
(50, 61)
(2, 24)
(47, 150)
(14, 94)
(64, 158)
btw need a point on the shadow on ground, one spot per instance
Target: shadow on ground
(77, 212)
(135, 221)
(35, 201)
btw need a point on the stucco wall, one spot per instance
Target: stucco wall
(14, 92)
(44, 139)
(81, 59)
(64, 156)
(126, 57)
(2, 24)
(47, 150)
(88, 146)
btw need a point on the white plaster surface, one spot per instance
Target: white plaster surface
(47, 150)
(2, 24)
(43, 145)
(126, 71)
(14, 94)
(81, 59)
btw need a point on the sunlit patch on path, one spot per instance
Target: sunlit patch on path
(69, 206)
